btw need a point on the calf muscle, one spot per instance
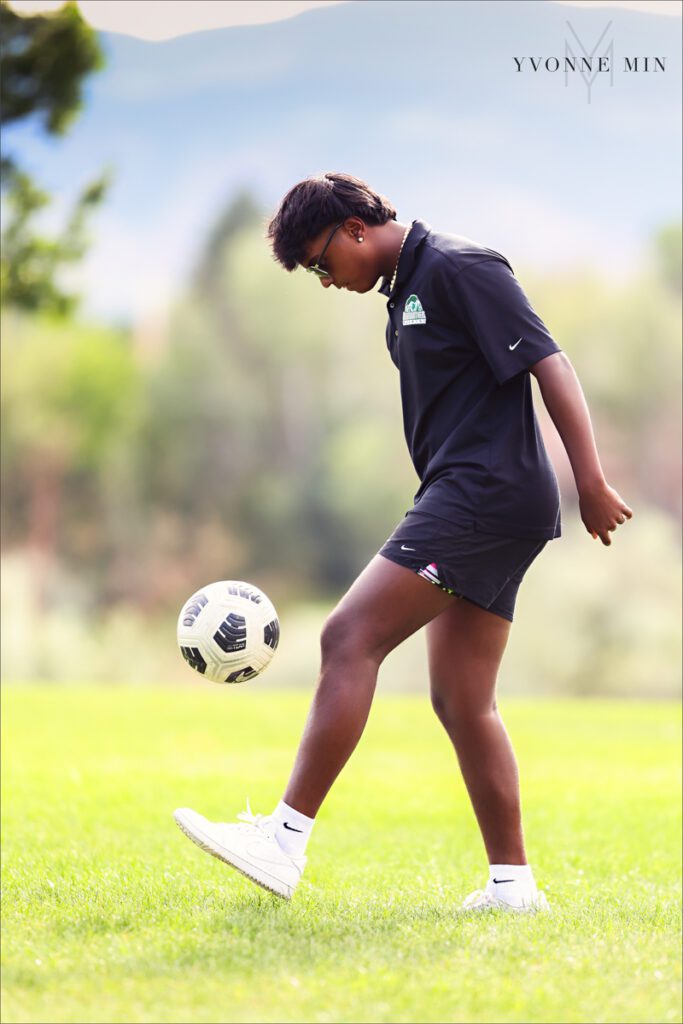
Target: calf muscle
(386, 604)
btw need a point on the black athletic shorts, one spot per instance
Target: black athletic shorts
(484, 568)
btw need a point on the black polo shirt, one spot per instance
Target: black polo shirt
(462, 333)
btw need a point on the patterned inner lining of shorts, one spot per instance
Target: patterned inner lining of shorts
(430, 572)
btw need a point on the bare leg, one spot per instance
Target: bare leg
(465, 646)
(383, 606)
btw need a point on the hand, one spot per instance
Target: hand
(602, 510)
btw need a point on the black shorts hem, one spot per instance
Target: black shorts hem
(405, 564)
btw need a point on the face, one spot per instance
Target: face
(349, 262)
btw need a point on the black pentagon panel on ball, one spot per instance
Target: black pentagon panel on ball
(271, 634)
(231, 635)
(241, 675)
(193, 608)
(194, 658)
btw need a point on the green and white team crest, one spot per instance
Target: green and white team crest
(413, 312)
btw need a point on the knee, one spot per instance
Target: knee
(345, 636)
(444, 709)
(459, 714)
(336, 634)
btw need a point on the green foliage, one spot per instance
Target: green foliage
(30, 262)
(622, 340)
(110, 914)
(68, 391)
(286, 408)
(613, 613)
(263, 377)
(263, 440)
(44, 59)
(207, 279)
(70, 396)
(668, 256)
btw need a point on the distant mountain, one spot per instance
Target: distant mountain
(421, 98)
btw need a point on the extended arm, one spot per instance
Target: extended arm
(600, 505)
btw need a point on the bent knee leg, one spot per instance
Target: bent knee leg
(348, 636)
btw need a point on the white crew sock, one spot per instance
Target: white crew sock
(513, 883)
(293, 829)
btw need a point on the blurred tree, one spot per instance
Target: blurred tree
(668, 254)
(68, 402)
(272, 441)
(30, 262)
(264, 441)
(262, 435)
(44, 59)
(623, 337)
(242, 212)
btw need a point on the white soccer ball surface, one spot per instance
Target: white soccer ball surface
(228, 631)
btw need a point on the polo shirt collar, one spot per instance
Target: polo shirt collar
(419, 230)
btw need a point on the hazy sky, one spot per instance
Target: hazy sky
(146, 236)
(164, 19)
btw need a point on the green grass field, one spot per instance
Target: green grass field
(111, 914)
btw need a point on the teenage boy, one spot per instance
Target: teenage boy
(465, 339)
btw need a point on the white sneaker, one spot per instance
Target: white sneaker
(251, 848)
(482, 900)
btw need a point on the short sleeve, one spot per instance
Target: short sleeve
(495, 309)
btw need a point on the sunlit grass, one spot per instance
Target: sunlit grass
(110, 914)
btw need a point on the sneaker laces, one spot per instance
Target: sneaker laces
(264, 822)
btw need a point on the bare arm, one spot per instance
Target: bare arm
(600, 505)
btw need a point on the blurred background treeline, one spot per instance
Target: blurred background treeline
(258, 436)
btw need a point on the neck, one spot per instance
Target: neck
(392, 232)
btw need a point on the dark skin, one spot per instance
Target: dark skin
(358, 255)
(388, 602)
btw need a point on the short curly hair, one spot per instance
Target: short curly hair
(315, 202)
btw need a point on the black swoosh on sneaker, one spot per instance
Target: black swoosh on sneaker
(290, 827)
(496, 881)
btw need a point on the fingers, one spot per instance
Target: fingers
(624, 513)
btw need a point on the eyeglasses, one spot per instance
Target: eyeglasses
(317, 268)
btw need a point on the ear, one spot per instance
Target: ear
(356, 228)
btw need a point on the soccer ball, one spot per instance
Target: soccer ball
(228, 631)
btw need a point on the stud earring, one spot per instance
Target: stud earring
(360, 238)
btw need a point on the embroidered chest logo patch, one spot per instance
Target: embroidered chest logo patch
(413, 312)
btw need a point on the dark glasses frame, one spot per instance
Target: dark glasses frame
(316, 268)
